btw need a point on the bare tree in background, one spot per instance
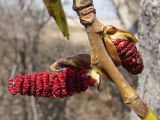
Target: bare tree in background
(20, 26)
(23, 49)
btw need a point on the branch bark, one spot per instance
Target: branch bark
(99, 55)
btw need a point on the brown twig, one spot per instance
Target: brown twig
(99, 55)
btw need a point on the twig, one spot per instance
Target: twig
(99, 55)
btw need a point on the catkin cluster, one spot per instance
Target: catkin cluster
(58, 84)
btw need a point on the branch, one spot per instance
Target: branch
(99, 55)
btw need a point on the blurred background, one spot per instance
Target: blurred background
(30, 41)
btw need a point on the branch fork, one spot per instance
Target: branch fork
(99, 55)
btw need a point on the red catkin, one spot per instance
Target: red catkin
(129, 55)
(59, 84)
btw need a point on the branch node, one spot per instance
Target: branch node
(80, 4)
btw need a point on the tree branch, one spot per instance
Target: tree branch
(99, 55)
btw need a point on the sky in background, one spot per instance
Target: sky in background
(104, 8)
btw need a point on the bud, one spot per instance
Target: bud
(129, 55)
(59, 84)
(77, 61)
(121, 47)
(115, 33)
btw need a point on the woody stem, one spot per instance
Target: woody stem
(99, 55)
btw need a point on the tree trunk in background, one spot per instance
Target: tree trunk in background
(149, 35)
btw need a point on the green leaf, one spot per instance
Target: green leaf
(55, 10)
